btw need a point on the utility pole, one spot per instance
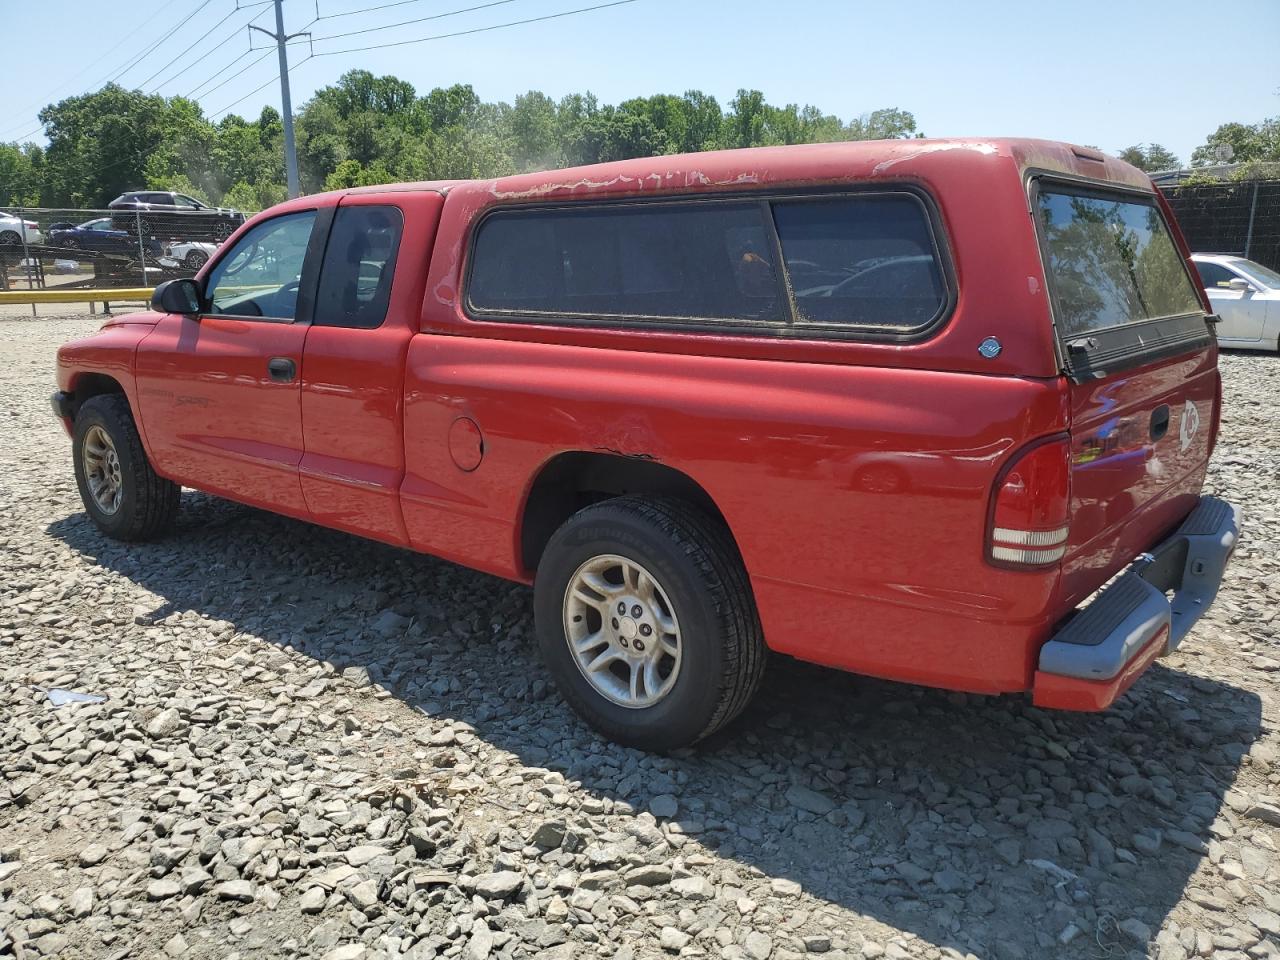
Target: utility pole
(290, 153)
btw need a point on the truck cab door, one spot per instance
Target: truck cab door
(219, 393)
(368, 306)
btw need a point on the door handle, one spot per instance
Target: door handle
(282, 369)
(1160, 421)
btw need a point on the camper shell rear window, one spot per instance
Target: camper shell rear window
(1111, 260)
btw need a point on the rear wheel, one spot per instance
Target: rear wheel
(646, 620)
(195, 259)
(121, 492)
(10, 238)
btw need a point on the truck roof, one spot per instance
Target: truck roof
(802, 164)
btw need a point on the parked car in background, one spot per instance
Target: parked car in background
(100, 237)
(14, 230)
(715, 405)
(172, 216)
(1246, 295)
(192, 254)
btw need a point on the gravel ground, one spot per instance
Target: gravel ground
(315, 746)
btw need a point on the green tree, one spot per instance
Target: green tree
(534, 144)
(703, 122)
(21, 175)
(745, 123)
(1151, 157)
(350, 173)
(1259, 141)
(100, 143)
(889, 123)
(365, 128)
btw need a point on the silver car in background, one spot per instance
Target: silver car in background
(1246, 295)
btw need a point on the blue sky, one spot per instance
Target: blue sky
(1105, 73)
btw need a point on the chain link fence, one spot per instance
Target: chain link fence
(1239, 218)
(65, 248)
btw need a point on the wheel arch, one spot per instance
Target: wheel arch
(574, 479)
(88, 384)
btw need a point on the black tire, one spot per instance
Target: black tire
(195, 259)
(10, 238)
(694, 559)
(69, 243)
(149, 502)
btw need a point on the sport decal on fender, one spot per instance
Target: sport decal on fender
(1190, 424)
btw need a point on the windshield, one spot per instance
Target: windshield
(1111, 261)
(1259, 274)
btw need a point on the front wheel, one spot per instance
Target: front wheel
(122, 494)
(646, 620)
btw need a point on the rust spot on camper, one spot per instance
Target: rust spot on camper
(883, 165)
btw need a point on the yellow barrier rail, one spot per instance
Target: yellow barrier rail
(106, 294)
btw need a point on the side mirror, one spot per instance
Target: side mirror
(1239, 283)
(177, 296)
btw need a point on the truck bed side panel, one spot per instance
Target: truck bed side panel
(853, 492)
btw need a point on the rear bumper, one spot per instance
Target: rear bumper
(1100, 653)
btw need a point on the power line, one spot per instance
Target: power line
(200, 87)
(118, 72)
(172, 30)
(405, 23)
(330, 53)
(381, 6)
(215, 76)
(245, 69)
(234, 103)
(464, 33)
(21, 137)
(230, 13)
(219, 45)
(85, 69)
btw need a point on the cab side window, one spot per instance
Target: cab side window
(260, 275)
(359, 265)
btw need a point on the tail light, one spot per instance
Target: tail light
(1031, 507)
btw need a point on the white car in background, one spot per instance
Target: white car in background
(12, 230)
(193, 254)
(1246, 295)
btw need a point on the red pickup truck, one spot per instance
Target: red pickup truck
(937, 411)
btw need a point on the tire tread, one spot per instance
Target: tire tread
(707, 543)
(157, 497)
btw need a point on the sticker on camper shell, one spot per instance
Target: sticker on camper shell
(1190, 424)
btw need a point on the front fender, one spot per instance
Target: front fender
(108, 353)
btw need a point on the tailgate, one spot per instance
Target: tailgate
(1142, 366)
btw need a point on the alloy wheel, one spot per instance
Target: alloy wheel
(102, 470)
(622, 631)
